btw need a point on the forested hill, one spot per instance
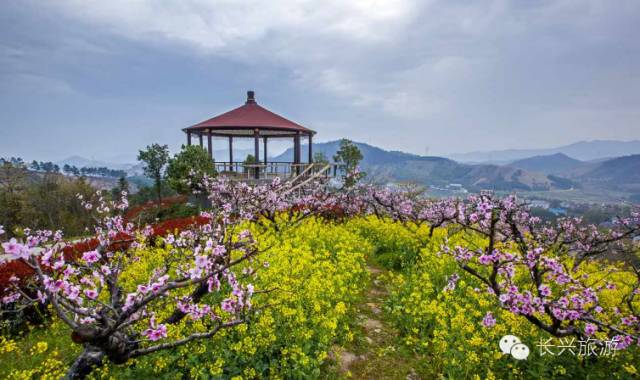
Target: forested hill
(394, 166)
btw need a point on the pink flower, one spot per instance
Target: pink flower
(1, 230)
(202, 261)
(130, 300)
(228, 305)
(488, 320)
(453, 281)
(15, 249)
(157, 333)
(91, 256)
(59, 263)
(143, 289)
(213, 283)
(154, 332)
(545, 291)
(42, 298)
(46, 257)
(406, 208)
(12, 297)
(590, 329)
(622, 341)
(91, 293)
(485, 259)
(219, 250)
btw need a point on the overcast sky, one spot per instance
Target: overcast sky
(102, 79)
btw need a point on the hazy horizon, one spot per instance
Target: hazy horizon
(104, 79)
(246, 147)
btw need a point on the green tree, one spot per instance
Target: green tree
(14, 204)
(249, 161)
(54, 199)
(44, 200)
(349, 156)
(187, 169)
(155, 158)
(123, 185)
(320, 158)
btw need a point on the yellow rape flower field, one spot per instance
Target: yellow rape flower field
(357, 299)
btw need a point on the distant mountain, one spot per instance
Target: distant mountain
(393, 166)
(557, 171)
(558, 164)
(372, 155)
(584, 150)
(82, 162)
(622, 173)
(238, 154)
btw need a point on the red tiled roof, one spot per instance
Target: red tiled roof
(248, 117)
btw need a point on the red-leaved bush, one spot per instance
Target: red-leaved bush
(21, 271)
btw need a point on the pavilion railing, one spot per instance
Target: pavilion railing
(270, 170)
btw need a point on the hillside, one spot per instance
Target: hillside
(558, 164)
(622, 173)
(557, 171)
(393, 166)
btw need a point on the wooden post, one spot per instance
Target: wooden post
(189, 138)
(310, 148)
(230, 153)
(264, 154)
(256, 150)
(209, 145)
(296, 152)
(200, 138)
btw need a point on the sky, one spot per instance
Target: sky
(102, 79)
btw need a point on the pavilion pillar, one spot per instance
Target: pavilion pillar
(189, 138)
(264, 153)
(200, 138)
(256, 150)
(230, 153)
(209, 145)
(296, 152)
(310, 148)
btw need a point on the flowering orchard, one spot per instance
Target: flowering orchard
(532, 268)
(267, 280)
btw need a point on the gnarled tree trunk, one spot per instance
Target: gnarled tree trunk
(90, 358)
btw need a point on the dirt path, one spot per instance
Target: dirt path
(376, 352)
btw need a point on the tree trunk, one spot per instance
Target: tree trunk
(90, 358)
(159, 189)
(195, 296)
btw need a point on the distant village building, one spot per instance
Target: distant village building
(540, 204)
(457, 188)
(558, 211)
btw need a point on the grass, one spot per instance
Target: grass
(376, 351)
(57, 336)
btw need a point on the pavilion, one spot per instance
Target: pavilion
(253, 121)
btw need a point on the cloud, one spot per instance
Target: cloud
(323, 43)
(215, 26)
(30, 84)
(449, 74)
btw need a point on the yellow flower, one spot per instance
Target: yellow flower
(630, 368)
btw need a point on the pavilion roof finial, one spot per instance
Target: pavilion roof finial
(251, 97)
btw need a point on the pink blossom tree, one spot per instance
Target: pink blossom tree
(115, 319)
(552, 293)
